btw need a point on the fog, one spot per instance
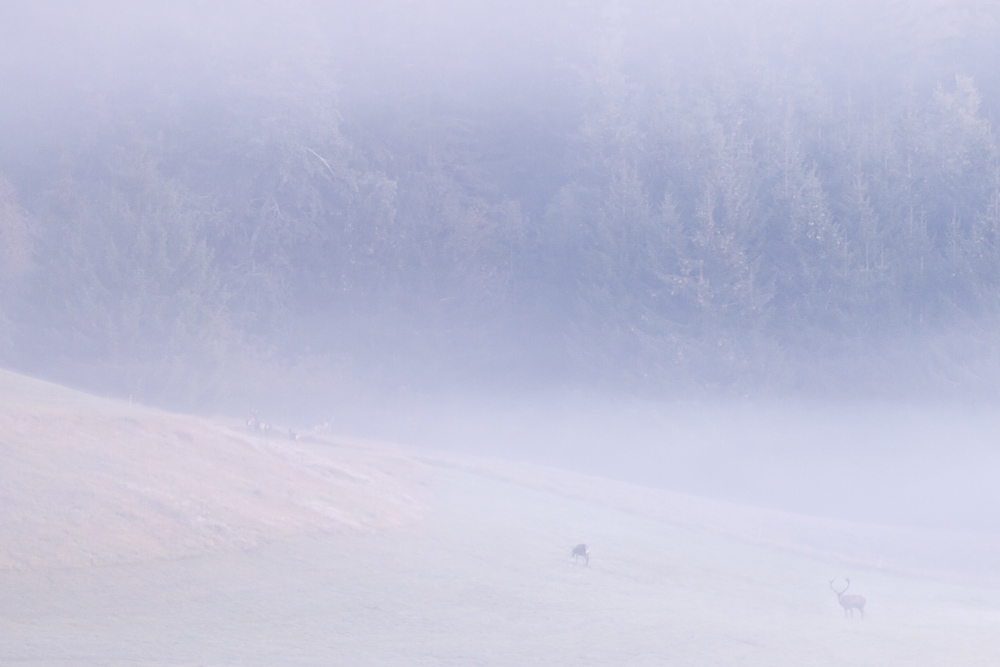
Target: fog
(742, 250)
(926, 467)
(327, 208)
(209, 207)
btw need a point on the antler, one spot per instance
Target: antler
(835, 590)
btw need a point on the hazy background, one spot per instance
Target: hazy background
(575, 232)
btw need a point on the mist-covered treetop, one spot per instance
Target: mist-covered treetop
(203, 203)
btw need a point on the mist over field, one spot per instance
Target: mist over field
(740, 255)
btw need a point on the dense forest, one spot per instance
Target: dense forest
(203, 207)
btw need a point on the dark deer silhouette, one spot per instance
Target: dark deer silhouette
(849, 602)
(581, 550)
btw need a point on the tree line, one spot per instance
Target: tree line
(660, 201)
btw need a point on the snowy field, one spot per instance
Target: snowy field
(486, 579)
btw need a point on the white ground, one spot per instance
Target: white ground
(93, 482)
(134, 537)
(487, 580)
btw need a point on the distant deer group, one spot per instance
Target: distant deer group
(849, 602)
(255, 424)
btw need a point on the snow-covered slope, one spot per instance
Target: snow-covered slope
(91, 481)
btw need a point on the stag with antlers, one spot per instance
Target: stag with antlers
(849, 602)
(581, 550)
